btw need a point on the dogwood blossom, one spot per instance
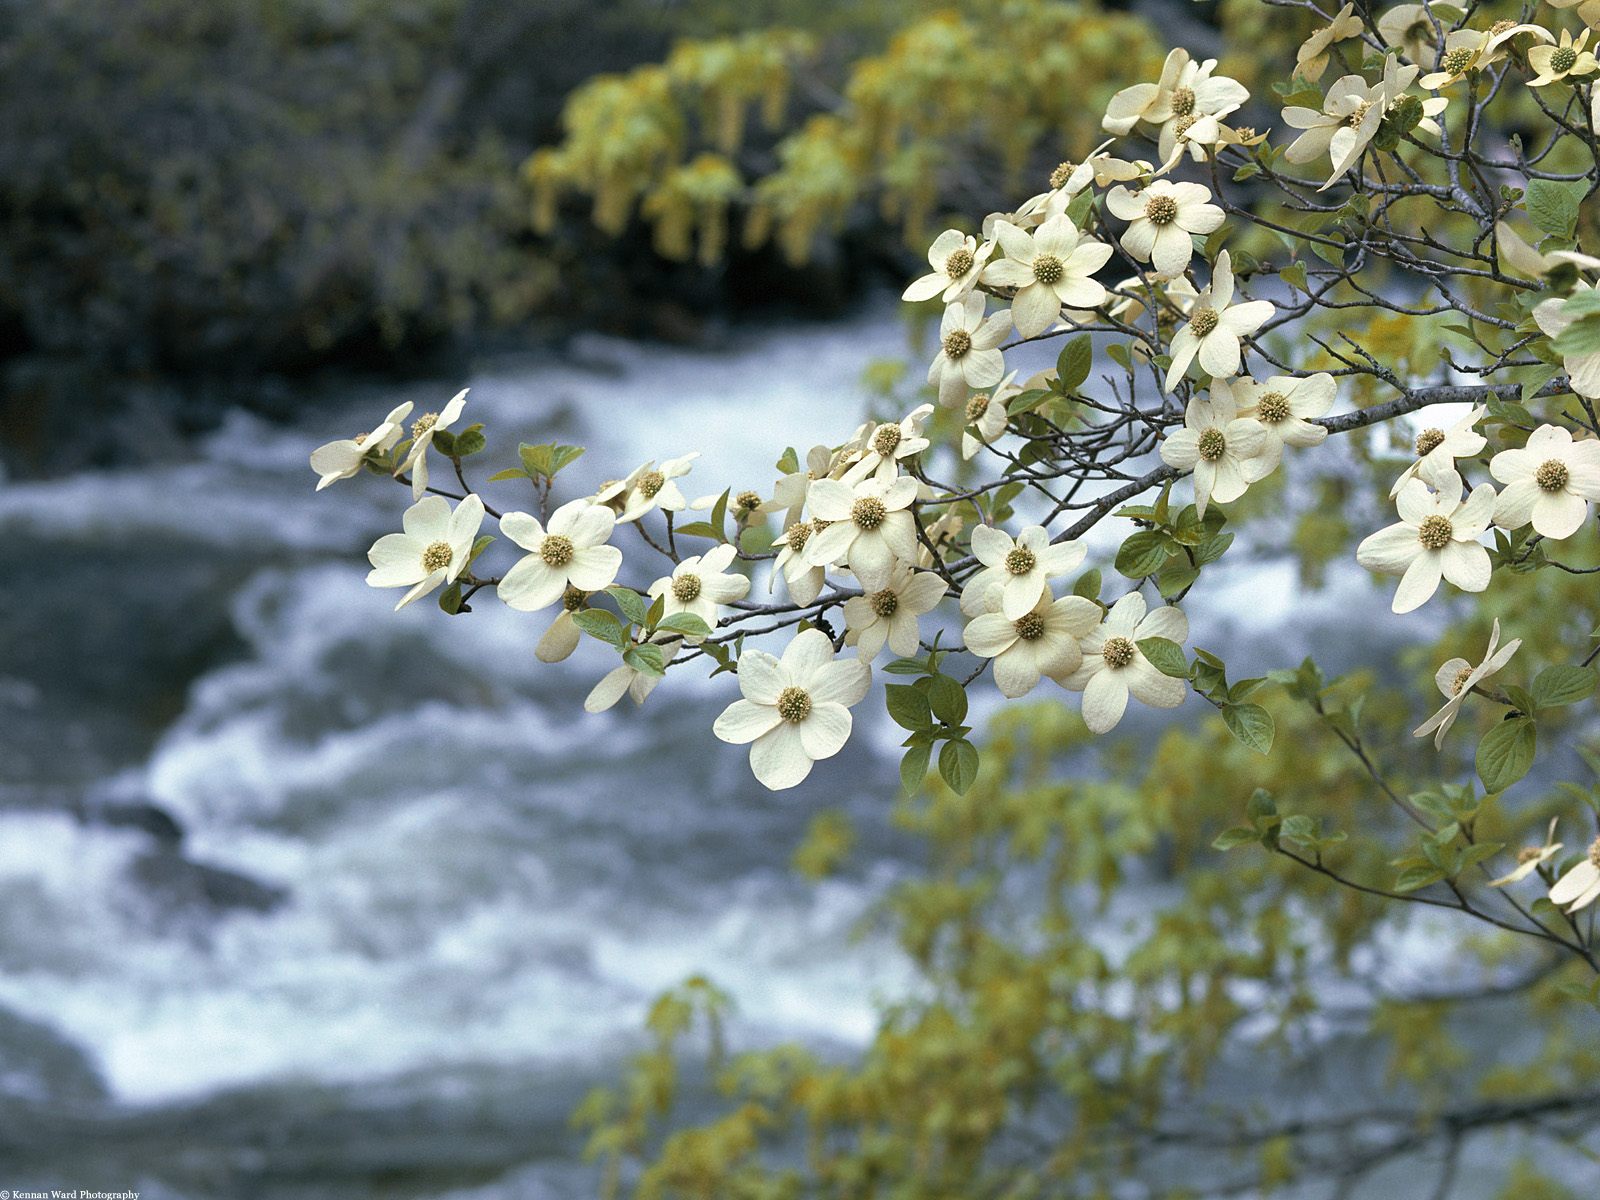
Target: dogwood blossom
(1114, 667)
(870, 526)
(1017, 570)
(1311, 60)
(1410, 29)
(888, 443)
(1467, 50)
(561, 638)
(969, 355)
(699, 584)
(986, 416)
(1161, 219)
(1562, 61)
(1197, 100)
(1531, 858)
(1222, 448)
(795, 710)
(1456, 679)
(1579, 887)
(1437, 450)
(434, 548)
(1215, 326)
(1350, 115)
(1050, 267)
(890, 615)
(1549, 482)
(343, 458)
(1041, 640)
(648, 487)
(1436, 536)
(803, 580)
(423, 431)
(628, 680)
(571, 553)
(956, 259)
(1284, 406)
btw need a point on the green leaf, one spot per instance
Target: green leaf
(1236, 836)
(908, 706)
(685, 623)
(947, 698)
(719, 517)
(1072, 366)
(958, 764)
(1420, 876)
(450, 599)
(1553, 205)
(646, 658)
(1251, 724)
(483, 542)
(470, 441)
(508, 473)
(697, 529)
(906, 666)
(629, 602)
(1165, 656)
(1088, 585)
(1563, 684)
(914, 767)
(1143, 553)
(1506, 753)
(598, 623)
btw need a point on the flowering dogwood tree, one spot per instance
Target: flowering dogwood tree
(1225, 302)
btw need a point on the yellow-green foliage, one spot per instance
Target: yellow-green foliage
(980, 92)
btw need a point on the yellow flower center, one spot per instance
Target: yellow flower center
(1563, 60)
(1183, 124)
(1594, 852)
(1529, 854)
(1161, 210)
(1435, 532)
(884, 603)
(1063, 172)
(685, 588)
(797, 535)
(1203, 320)
(1020, 561)
(437, 557)
(886, 439)
(959, 263)
(794, 704)
(1359, 114)
(1456, 61)
(868, 512)
(556, 550)
(1460, 681)
(1273, 408)
(1429, 440)
(572, 599)
(650, 483)
(1118, 652)
(1029, 626)
(423, 423)
(956, 343)
(977, 406)
(1048, 269)
(747, 502)
(1213, 445)
(1183, 101)
(1552, 476)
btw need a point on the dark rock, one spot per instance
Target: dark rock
(166, 875)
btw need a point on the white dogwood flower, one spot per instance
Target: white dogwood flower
(563, 635)
(1311, 60)
(986, 416)
(795, 710)
(1197, 100)
(1161, 219)
(423, 431)
(433, 549)
(1467, 50)
(1224, 450)
(1284, 406)
(1549, 482)
(891, 614)
(1349, 119)
(1050, 267)
(969, 355)
(650, 486)
(1456, 679)
(572, 552)
(1114, 667)
(956, 259)
(803, 580)
(699, 584)
(888, 443)
(869, 526)
(1215, 326)
(343, 458)
(1041, 640)
(1531, 858)
(1409, 28)
(1579, 887)
(1436, 536)
(1562, 61)
(1437, 450)
(1018, 570)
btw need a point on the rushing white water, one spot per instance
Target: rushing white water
(474, 875)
